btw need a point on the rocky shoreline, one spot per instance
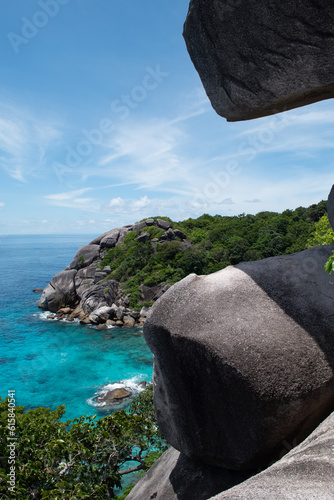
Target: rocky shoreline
(85, 292)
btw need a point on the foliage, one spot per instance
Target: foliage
(79, 459)
(216, 242)
(323, 234)
(81, 261)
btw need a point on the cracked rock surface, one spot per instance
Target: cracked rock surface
(260, 58)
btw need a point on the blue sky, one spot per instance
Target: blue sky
(104, 121)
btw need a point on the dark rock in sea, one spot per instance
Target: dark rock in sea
(330, 207)
(114, 396)
(259, 58)
(305, 473)
(176, 477)
(101, 327)
(60, 292)
(38, 290)
(129, 320)
(85, 256)
(255, 343)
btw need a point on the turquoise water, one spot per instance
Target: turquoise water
(47, 362)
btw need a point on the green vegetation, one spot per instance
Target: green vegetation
(83, 458)
(216, 242)
(81, 261)
(323, 235)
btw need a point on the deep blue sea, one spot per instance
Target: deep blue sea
(50, 363)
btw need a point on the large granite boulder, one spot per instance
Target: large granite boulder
(176, 477)
(85, 256)
(98, 296)
(254, 344)
(330, 207)
(60, 292)
(259, 58)
(305, 473)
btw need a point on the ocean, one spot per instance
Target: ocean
(50, 363)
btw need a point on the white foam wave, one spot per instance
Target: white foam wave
(134, 385)
(49, 316)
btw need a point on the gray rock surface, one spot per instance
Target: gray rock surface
(101, 315)
(85, 256)
(85, 288)
(60, 292)
(259, 58)
(254, 341)
(110, 239)
(330, 207)
(98, 296)
(175, 477)
(164, 224)
(305, 473)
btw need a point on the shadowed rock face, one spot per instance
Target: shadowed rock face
(244, 358)
(330, 207)
(175, 477)
(305, 473)
(260, 58)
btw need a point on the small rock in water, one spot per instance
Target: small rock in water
(114, 396)
(101, 327)
(38, 290)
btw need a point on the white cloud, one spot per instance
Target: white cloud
(116, 203)
(24, 139)
(68, 195)
(73, 199)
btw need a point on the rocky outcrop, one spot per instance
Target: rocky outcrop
(255, 344)
(175, 477)
(304, 473)
(330, 207)
(259, 58)
(86, 291)
(61, 292)
(85, 256)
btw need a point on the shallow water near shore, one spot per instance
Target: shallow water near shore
(50, 363)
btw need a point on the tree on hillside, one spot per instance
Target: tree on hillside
(80, 459)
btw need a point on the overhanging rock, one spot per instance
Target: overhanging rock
(330, 207)
(260, 58)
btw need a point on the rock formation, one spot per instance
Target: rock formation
(259, 58)
(84, 291)
(244, 358)
(175, 477)
(330, 207)
(304, 473)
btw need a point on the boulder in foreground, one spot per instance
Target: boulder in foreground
(176, 477)
(260, 58)
(243, 358)
(305, 473)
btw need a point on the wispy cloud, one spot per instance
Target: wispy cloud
(24, 139)
(73, 199)
(1, 204)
